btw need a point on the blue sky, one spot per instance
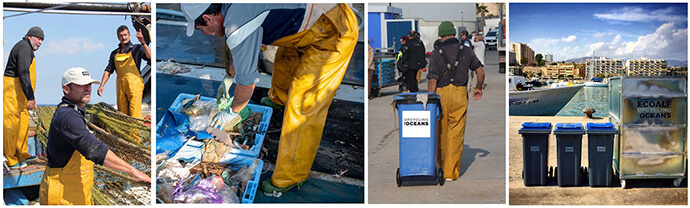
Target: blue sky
(70, 41)
(620, 31)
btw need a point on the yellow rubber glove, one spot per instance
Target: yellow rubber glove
(223, 98)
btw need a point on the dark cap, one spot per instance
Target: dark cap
(36, 32)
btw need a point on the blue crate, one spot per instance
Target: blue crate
(263, 125)
(236, 164)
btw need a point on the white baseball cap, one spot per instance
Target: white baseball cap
(79, 76)
(191, 12)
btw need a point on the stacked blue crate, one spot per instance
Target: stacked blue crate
(385, 71)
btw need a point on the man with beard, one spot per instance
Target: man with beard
(18, 93)
(72, 150)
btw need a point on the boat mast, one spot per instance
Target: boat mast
(591, 68)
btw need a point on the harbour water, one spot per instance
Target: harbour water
(593, 97)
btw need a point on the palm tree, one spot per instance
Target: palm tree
(481, 11)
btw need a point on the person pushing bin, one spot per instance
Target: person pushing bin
(419, 115)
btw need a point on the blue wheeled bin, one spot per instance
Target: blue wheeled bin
(569, 153)
(535, 152)
(600, 153)
(419, 115)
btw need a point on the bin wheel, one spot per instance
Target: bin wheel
(583, 173)
(677, 181)
(439, 175)
(555, 172)
(623, 184)
(550, 173)
(523, 174)
(397, 177)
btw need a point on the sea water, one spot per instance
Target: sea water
(593, 97)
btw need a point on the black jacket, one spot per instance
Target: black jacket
(18, 63)
(414, 56)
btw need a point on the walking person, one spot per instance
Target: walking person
(412, 60)
(448, 69)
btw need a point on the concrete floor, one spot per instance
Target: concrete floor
(482, 177)
(640, 192)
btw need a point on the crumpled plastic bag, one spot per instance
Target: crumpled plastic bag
(208, 190)
(169, 173)
(199, 123)
(199, 107)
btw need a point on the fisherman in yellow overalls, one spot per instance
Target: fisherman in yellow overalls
(19, 83)
(72, 150)
(316, 42)
(125, 61)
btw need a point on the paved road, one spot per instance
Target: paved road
(482, 178)
(642, 192)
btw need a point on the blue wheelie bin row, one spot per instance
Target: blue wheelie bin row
(535, 152)
(600, 151)
(418, 122)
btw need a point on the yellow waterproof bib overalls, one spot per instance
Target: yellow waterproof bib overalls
(307, 71)
(16, 117)
(130, 85)
(70, 185)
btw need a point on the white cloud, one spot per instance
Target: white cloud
(616, 39)
(569, 39)
(602, 34)
(71, 46)
(637, 14)
(666, 42)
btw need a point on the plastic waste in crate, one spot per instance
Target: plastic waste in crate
(263, 126)
(191, 151)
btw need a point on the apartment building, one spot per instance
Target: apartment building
(646, 67)
(607, 67)
(522, 50)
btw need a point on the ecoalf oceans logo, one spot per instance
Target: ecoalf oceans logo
(416, 124)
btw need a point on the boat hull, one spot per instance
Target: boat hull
(596, 84)
(542, 102)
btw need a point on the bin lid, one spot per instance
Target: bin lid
(412, 98)
(535, 128)
(569, 128)
(601, 128)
